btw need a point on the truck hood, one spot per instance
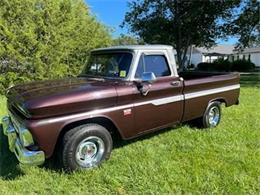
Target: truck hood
(58, 97)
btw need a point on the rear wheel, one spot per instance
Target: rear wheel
(212, 115)
(85, 147)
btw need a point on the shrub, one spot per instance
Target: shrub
(9, 79)
(222, 65)
(205, 66)
(225, 65)
(243, 65)
(191, 66)
(45, 39)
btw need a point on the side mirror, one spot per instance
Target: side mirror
(148, 77)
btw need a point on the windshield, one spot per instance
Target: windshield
(114, 65)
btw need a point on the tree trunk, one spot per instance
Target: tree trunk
(190, 55)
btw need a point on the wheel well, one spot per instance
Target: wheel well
(221, 100)
(105, 122)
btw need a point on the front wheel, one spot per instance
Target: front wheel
(212, 115)
(85, 147)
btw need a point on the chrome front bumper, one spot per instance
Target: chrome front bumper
(24, 155)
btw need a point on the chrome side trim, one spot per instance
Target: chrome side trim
(211, 91)
(156, 102)
(162, 101)
(91, 114)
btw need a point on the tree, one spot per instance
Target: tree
(127, 40)
(246, 25)
(46, 39)
(179, 23)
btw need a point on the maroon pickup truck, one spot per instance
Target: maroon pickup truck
(126, 91)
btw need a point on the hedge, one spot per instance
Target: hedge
(225, 65)
(46, 39)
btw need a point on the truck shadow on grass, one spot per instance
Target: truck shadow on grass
(9, 166)
(54, 164)
(118, 143)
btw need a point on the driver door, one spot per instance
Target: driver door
(162, 106)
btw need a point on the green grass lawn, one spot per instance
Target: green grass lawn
(224, 160)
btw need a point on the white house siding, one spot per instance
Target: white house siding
(210, 59)
(255, 58)
(196, 58)
(224, 51)
(204, 58)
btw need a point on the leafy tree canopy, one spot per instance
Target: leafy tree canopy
(46, 39)
(186, 23)
(127, 40)
(246, 24)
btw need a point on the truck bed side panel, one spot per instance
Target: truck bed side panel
(199, 92)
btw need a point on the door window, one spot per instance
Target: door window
(153, 63)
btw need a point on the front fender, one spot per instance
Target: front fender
(46, 131)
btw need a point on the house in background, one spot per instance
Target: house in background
(252, 54)
(201, 54)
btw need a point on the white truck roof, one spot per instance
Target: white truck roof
(137, 47)
(167, 50)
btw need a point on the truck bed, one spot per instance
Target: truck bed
(188, 75)
(202, 87)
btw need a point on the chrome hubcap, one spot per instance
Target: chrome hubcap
(90, 151)
(213, 116)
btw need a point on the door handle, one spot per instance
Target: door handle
(175, 83)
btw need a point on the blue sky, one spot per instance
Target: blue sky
(112, 12)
